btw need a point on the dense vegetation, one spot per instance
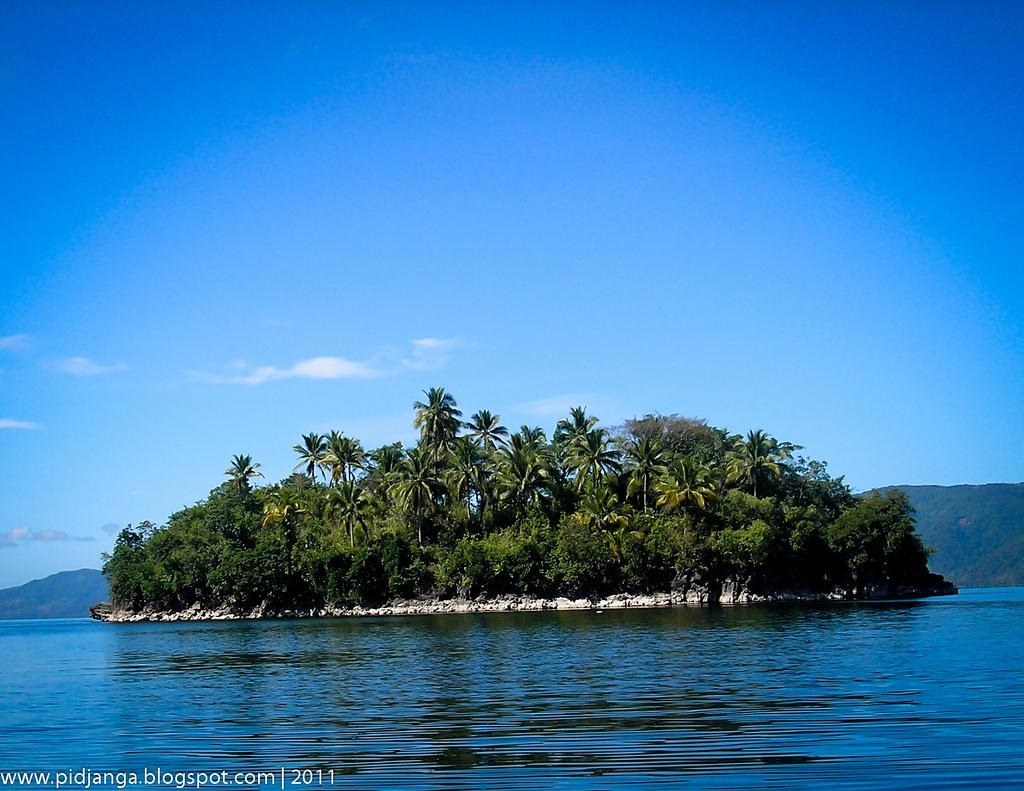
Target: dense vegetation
(977, 531)
(476, 509)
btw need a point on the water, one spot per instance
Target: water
(922, 694)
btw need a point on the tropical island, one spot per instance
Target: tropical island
(660, 510)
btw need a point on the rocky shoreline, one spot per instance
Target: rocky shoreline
(686, 592)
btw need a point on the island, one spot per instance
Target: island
(660, 510)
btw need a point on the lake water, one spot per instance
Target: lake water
(922, 694)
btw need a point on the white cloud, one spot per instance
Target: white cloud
(428, 354)
(83, 366)
(18, 341)
(23, 424)
(17, 536)
(558, 406)
(313, 368)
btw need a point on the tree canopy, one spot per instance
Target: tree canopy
(473, 508)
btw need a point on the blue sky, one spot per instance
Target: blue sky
(227, 224)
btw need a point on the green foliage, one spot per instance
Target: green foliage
(877, 539)
(474, 509)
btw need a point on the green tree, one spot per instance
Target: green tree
(523, 473)
(242, 471)
(685, 484)
(757, 459)
(487, 430)
(312, 454)
(646, 463)
(418, 487)
(350, 505)
(284, 508)
(591, 456)
(343, 457)
(438, 419)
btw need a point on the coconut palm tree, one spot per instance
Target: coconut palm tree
(350, 504)
(467, 474)
(343, 457)
(385, 466)
(591, 456)
(599, 506)
(312, 454)
(756, 459)
(284, 508)
(523, 472)
(486, 429)
(532, 435)
(438, 419)
(685, 483)
(646, 459)
(242, 470)
(418, 486)
(577, 424)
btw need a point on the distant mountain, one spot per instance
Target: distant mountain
(67, 594)
(977, 532)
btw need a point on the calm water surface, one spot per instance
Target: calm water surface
(926, 694)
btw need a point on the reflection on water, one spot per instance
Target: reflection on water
(901, 695)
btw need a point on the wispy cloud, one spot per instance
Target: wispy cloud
(83, 366)
(110, 528)
(559, 405)
(18, 536)
(313, 368)
(18, 341)
(429, 354)
(22, 424)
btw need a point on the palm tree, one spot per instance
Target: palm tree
(756, 459)
(532, 435)
(523, 472)
(418, 486)
(486, 429)
(312, 454)
(242, 470)
(284, 508)
(438, 419)
(350, 504)
(591, 456)
(577, 424)
(600, 507)
(685, 483)
(646, 457)
(468, 472)
(385, 465)
(343, 457)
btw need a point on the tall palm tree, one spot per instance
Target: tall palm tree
(486, 429)
(756, 459)
(591, 456)
(438, 419)
(242, 470)
(646, 463)
(685, 483)
(467, 474)
(523, 472)
(343, 457)
(418, 486)
(312, 454)
(284, 508)
(532, 435)
(385, 466)
(350, 504)
(577, 424)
